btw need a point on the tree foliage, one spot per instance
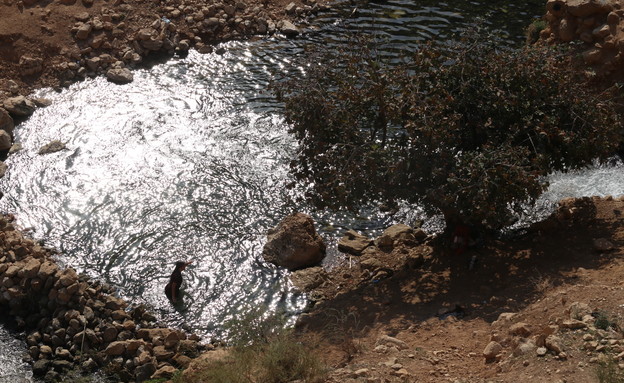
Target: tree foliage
(470, 132)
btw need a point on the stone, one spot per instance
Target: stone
(541, 351)
(119, 75)
(578, 310)
(386, 339)
(19, 106)
(30, 65)
(5, 140)
(396, 234)
(6, 121)
(308, 279)
(40, 367)
(566, 30)
(492, 350)
(288, 29)
(602, 245)
(164, 372)
(115, 348)
(83, 31)
(354, 243)
(520, 329)
(573, 324)
(161, 353)
(52, 147)
(584, 8)
(144, 372)
(525, 348)
(182, 361)
(371, 263)
(294, 243)
(553, 343)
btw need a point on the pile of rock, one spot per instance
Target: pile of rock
(596, 24)
(73, 322)
(516, 338)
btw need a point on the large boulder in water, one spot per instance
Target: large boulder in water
(294, 243)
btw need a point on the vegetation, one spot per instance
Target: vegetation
(470, 132)
(608, 372)
(262, 352)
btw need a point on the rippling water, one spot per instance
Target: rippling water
(188, 162)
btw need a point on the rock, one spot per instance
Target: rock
(573, 324)
(353, 242)
(578, 310)
(145, 371)
(525, 348)
(294, 243)
(396, 234)
(6, 121)
(115, 348)
(308, 279)
(161, 353)
(119, 75)
(553, 343)
(603, 245)
(371, 263)
(83, 31)
(584, 8)
(385, 340)
(40, 367)
(566, 30)
(521, 329)
(164, 372)
(52, 147)
(492, 350)
(288, 29)
(541, 351)
(19, 106)
(5, 141)
(30, 65)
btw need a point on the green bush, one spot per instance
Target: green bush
(469, 132)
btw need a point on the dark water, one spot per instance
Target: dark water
(189, 162)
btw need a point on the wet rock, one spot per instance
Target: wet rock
(6, 122)
(19, 106)
(288, 29)
(119, 75)
(52, 147)
(5, 140)
(294, 243)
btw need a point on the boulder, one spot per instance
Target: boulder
(119, 75)
(5, 141)
(354, 243)
(584, 8)
(6, 122)
(294, 243)
(19, 106)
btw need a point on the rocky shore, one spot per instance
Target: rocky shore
(72, 322)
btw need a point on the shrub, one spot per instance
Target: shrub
(470, 132)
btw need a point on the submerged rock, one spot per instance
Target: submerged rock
(52, 147)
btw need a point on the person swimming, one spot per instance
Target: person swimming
(172, 290)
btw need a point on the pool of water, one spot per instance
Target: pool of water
(189, 162)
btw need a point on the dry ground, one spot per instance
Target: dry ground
(537, 276)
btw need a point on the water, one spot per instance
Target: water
(188, 162)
